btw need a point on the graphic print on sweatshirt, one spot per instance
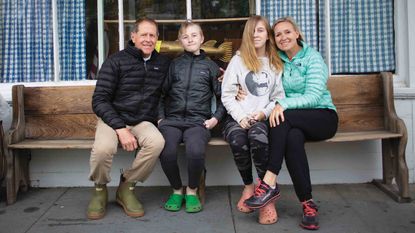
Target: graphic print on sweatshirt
(258, 84)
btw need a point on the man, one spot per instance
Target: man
(126, 101)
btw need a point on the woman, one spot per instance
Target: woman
(256, 69)
(306, 113)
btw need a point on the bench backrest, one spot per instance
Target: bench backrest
(61, 112)
(359, 101)
(64, 112)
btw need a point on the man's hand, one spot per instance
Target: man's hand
(212, 122)
(127, 139)
(277, 116)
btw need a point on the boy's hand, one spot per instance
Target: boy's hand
(212, 122)
(127, 139)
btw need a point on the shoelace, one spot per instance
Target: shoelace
(261, 188)
(309, 209)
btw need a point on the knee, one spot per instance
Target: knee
(238, 141)
(295, 137)
(100, 155)
(155, 143)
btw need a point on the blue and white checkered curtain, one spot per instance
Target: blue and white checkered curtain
(26, 49)
(72, 54)
(304, 13)
(362, 36)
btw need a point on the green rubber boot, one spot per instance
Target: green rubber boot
(126, 198)
(98, 203)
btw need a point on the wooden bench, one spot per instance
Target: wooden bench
(62, 118)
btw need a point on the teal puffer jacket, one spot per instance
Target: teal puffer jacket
(305, 81)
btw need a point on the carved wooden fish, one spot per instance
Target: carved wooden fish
(223, 52)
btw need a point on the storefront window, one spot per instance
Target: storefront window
(221, 20)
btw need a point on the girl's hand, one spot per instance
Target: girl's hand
(277, 116)
(245, 123)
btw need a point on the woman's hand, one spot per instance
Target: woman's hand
(277, 116)
(241, 94)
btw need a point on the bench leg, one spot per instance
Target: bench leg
(17, 173)
(394, 169)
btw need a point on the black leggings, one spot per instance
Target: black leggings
(246, 143)
(287, 140)
(195, 138)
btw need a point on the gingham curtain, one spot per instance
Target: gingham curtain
(26, 49)
(304, 13)
(362, 33)
(71, 19)
(362, 36)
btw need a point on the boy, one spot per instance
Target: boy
(185, 115)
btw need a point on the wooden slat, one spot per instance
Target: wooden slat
(72, 126)
(53, 144)
(364, 135)
(356, 89)
(58, 100)
(360, 117)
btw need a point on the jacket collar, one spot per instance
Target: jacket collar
(300, 53)
(138, 53)
(201, 56)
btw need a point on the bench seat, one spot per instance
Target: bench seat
(87, 143)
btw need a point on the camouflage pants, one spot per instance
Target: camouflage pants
(247, 143)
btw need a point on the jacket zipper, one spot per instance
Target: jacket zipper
(187, 88)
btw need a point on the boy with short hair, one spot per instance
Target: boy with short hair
(185, 115)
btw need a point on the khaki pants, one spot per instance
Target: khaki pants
(151, 144)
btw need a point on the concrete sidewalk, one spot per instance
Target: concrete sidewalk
(343, 209)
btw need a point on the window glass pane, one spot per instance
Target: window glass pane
(156, 9)
(220, 9)
(91, 38)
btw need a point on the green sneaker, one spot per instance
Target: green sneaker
(98, 203)
(193, 204)
(174, 203)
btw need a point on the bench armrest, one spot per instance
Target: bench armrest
(17, 129)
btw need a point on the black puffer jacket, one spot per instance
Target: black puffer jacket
(189, 88)
(128, 88)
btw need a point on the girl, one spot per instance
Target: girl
(256, 69)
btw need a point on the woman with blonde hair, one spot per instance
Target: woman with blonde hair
(306, 113)
(256, 69)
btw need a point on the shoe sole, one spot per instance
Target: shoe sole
(310, 227)
(95, 216)
(131, 214)
(272, 199)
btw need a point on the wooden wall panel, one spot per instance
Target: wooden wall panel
(49, 100)
(71, 126)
